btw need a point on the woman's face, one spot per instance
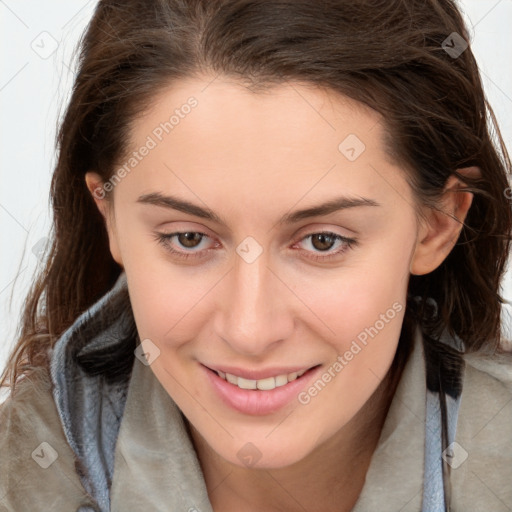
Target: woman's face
(298, 238)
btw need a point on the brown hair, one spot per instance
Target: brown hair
(387, 54)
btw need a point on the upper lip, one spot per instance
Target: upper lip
(259, 374)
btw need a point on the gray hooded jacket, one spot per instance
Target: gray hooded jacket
(75, 440)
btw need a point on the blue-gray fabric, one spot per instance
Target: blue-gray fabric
(91, 408)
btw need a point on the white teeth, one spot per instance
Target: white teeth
(231, 379)
(263, 384)
(246, 383)
(281, 380)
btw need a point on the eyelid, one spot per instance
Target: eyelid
(318, 227)
(313, 229)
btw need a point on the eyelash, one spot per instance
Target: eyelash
(164, 238)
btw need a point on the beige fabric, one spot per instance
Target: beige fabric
(394, 480)
(484, 481)
(156, 468)
(26, 421)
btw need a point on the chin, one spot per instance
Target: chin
(260, 455)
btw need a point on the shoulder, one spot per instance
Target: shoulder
(488, 382)
(496, 369)
(487, 394)
(37, 466)
(483, 471)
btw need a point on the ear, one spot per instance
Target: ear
(94, 183)
(439, 232)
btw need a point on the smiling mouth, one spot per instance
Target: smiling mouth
(262, 384)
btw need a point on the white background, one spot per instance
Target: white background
(34, 89)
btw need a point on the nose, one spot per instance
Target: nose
(254, 312)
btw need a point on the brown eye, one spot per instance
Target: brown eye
(325, 245)
(322, 241)
(184, 244)
(189, 239)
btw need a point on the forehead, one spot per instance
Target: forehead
(285, 113)
(217, 134)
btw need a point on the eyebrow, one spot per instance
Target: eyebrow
(331, 206)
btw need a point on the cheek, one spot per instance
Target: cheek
(163, 295)
(365, 320)
(165, 306)
(349, 300)
(361, 308)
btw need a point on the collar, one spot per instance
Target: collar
(90, 403)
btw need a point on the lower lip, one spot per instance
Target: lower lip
(257, 402)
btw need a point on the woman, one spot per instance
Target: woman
(280, 230)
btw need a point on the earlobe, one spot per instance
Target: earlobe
(94, 184)
(441, 228)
